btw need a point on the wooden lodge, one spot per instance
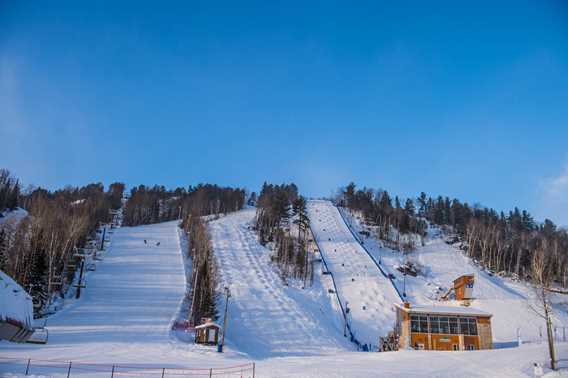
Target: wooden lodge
(443, 328)
(207, 333)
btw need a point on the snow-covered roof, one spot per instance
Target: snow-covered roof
(207, 325)
(444, 310)
(15, 303)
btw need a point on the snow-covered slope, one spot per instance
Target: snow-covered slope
(125, 311)
(368, 294)
(511, 303)
(267, 318)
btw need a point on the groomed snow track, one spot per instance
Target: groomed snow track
(266, 317)
(362, 287)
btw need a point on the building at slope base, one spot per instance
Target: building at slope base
(443, 328)
(16, 312)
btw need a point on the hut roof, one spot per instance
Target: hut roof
(208, 325)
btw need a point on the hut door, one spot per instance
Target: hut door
(211, 335)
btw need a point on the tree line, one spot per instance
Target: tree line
(147, 205)
(39, 251)
(204, 273)
(9, 191)
(278, 208)
(501, 242)
(380, 209)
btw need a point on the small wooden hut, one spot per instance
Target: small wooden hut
(207, 333)
(462, 288)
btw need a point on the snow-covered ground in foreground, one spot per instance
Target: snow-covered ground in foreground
(368, 294)
(268, 318)
(509, 302)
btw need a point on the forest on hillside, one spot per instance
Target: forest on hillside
(506, 243)
(40, 250)
(278, 208)
(155, 204)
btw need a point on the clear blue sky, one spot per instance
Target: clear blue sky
(469, 101)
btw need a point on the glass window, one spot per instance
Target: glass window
(464, 326)
(414, 323)
(454, 326)
(434, 324)
(472, 326)
(424, 324)
(444, 325)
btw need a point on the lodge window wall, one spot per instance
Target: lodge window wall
(449, 325)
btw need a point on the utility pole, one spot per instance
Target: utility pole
(103, 239)
(345, 323)
(79, 284)
(227, 296)
(548, 319)
(404, 285)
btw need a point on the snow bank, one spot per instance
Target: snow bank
(15, 303)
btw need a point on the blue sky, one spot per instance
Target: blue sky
(469, 101)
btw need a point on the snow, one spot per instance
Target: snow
(125, 312)
(15, 303)
(267, 318)
(124, 317)
(207, 325)
(368, 294)
(512, 304)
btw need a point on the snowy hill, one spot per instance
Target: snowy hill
(125, 312)
(368, 294)
(267, 318)
(124, 317)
